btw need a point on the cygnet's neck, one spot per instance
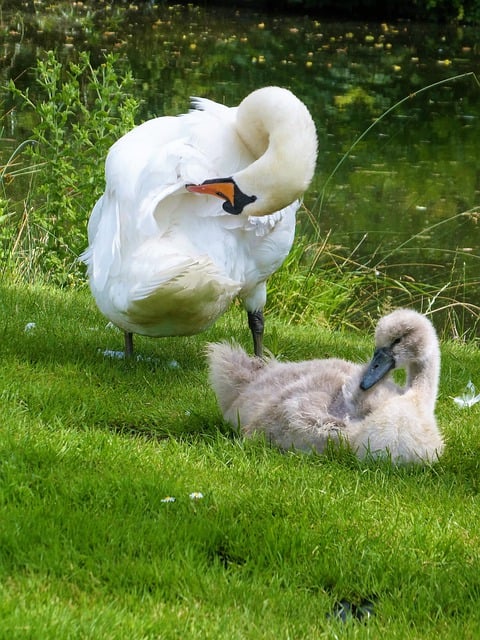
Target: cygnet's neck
(423, 376)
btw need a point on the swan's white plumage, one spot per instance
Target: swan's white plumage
(162, 261)
(303, 405)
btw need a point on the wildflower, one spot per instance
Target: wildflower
(196, 495)
(168, 499)
(30, 326)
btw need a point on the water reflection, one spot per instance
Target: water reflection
(405, 183)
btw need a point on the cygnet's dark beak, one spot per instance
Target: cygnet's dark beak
(381, 363)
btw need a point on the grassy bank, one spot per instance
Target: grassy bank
(130, 510)
(92, 445)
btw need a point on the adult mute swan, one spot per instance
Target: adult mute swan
(302, 405)
(166, 256)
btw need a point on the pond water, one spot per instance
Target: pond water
(397, 187)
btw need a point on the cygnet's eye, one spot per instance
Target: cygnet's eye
(396, 341)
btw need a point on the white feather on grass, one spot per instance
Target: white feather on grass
(468, 398)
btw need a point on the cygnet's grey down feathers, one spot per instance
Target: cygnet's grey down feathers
(303, 405)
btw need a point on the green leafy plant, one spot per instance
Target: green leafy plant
(78, 112)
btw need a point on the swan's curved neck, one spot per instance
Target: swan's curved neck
(423, 376)
(280, 133)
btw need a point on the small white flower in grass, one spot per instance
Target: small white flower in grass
(196, 495)
(468, 398)
(30, 326)
(168, 499)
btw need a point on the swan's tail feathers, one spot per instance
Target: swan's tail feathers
(231, 369)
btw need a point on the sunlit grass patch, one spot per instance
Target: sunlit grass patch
(92, 447)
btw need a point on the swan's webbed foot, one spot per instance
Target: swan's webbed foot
(256, 325)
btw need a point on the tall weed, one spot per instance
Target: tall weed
(330, 285)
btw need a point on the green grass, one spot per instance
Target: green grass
(90, 446)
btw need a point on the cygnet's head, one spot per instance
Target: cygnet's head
(403, 338)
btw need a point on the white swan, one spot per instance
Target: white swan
(163, 260)
(303, 405)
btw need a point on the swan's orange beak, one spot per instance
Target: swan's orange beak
(219, 189)
(227, 190)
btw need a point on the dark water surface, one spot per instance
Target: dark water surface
(403, 201)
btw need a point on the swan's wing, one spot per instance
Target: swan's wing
(158, 158)
(164, 177)
(102, 256)
(187, 297)
(145, 197)
(145, 191)
(184, 273)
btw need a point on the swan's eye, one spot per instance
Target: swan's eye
(396, 341)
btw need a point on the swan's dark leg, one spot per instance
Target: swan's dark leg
(256, 324)
(128, 344)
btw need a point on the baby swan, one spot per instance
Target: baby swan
(303, 405)
(386, 418)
